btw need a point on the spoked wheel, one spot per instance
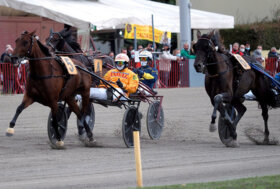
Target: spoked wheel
(155, 120)
(62, 124)
(131, 122)
(223, 127)
(90, 119)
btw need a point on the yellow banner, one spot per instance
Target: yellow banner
(146, 32)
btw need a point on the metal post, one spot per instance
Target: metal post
(185, 22)
(135, 39)
(154, 44)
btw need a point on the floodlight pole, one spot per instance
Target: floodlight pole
(185, 22)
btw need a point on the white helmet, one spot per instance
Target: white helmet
(121, 61)
(145, 56)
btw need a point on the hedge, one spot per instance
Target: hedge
(266, 34)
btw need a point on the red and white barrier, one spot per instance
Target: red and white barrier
(272, 66)
(12, 79)
(171, 74)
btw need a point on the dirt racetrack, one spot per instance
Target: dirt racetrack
(186, 152)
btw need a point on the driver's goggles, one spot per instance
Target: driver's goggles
(120, 63)
(143, 58)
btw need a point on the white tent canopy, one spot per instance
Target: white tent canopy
(112, 14)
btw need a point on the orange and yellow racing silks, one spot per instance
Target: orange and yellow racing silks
(127, 77)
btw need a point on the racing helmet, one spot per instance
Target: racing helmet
(121, 61)
(144, 57)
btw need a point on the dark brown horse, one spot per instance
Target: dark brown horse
(62, 42)
(226, 83)
(48, 83)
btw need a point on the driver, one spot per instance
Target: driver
(123, 79)
(147, 74)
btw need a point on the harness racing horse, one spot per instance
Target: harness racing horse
(47, 83)
(57, 41)
(226, 85)
(62, 42)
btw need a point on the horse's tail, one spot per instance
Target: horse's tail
(270, 93)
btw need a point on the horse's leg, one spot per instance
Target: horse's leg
(73, 107)
(241, 109)
(24, 104)
(85, 110)
(265, 118)
(81, 114)
(218, 100)
(54, 110)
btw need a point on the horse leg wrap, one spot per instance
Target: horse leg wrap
(18, 111)
(217, 100)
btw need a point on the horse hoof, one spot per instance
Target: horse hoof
(10, 132)
(212, 127)
(232, 144)
(90, 143)
(59, 144)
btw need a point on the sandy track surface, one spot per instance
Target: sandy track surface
(186, 152)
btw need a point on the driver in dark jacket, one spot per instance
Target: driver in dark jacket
(147, 74)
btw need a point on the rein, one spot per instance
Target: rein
(49, 76)
(218, 74)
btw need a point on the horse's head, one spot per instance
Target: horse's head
(204, 47)
(55, 40)
(24, 46)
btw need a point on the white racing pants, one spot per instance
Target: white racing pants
(101, 94)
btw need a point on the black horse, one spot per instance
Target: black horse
(226, 83)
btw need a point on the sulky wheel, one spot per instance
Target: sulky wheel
(224, 130)
(131, 122)
(62, 124)
(155, 120)
(90, 118)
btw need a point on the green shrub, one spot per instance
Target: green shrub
(266, 34)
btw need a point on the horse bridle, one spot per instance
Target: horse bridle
(30, 47)
(51, 37)
(211, 44)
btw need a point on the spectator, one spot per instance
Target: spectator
(235, 49)
(150, 47)
(111, 55)
(273, 53)
(247, 49)
(9, 73)
(242, 49)
(257, 54)
(185, 53)
(177, 53)
(174, 75)
(140, 48)
(6, 56)
(124, 50)
(165, 64)
(130, 48)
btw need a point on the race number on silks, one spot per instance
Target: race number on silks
(69, 65)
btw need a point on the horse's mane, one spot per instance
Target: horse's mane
(66, 34)
(44, 48)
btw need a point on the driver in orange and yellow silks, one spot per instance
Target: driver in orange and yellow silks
(123, 79)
